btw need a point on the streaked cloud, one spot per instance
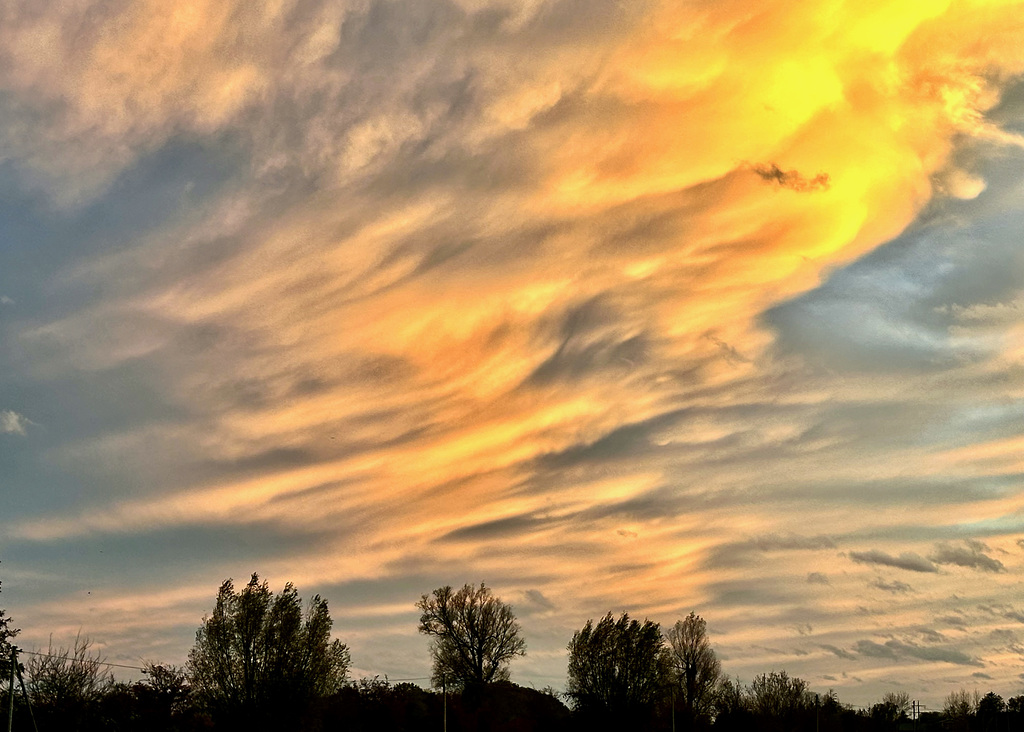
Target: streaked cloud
(895, 586)
(907, 560)
(649, 306)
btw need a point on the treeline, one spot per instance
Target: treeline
(263, 661)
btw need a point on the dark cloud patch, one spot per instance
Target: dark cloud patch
(730, 352)
(907, 560)
(628, 441)
(932, 653)
(537, 598)
(874, 650)
(512, 525)
(653, 504)
(1003, 610)
(931, 636)
(899, 491)
(580, 355)
(817, 578)
(841, 653)
(1003, 634)
(971, 555)
(791, 179)
(743, 552)
(750, 593)
(981, 675)
(894, 649)
(956, 621)
(895, 587)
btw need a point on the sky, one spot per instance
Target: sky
(648, 307)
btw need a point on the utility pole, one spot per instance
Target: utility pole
(10, 696)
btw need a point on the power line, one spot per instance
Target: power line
(91, 660)
(143, 670)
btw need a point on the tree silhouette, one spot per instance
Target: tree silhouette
(475, 635)
(6, 633)
(259, 656)
(778, 699)
(66, 685)
(617, 669)
(694, 669)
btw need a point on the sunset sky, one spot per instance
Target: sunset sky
(616, 305)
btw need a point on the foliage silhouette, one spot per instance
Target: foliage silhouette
(694, 670)
(67, 685)
(618, 670)
(475, 635)
(260, 657)
(6, 633)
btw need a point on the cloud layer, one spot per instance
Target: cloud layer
(647, 307)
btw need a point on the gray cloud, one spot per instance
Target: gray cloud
(907, 560)
(537, 599)
(841, 653)
(932, 636)
(956, 621)
(874, 650)
(893, 649)
(932, 653)
(971, 555)
(817, 578)
(895, 587)
(495, 529)
(1003, 610)
(743, 552)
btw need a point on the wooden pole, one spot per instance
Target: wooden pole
(10, 696)
(28, 702)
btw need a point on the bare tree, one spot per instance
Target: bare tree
(67, 684)
(894, 708)
(695, 669)
(959, 708)
(777, 695)
(476, 635)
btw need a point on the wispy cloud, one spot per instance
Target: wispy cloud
(907, 560)
(12, 423)
(437, 292)
(895, 586)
